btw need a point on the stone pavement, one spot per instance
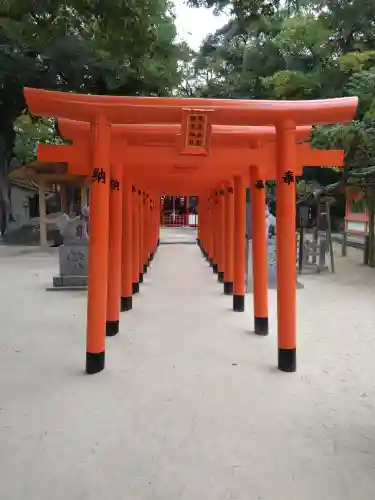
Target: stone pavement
(190, 405)
(178, 235)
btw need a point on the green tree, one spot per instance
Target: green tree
(300, 50)
(243, 10)
(104, 47)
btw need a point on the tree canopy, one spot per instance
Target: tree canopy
(299, 49)
(296, 49)
(104, 47)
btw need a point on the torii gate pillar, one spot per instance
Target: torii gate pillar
(114, 263)
(259, 251)
(229, 240)
(135, 239)
(239, 244)
(221, 234)
(127, 247)
(286, 245)
(98, 247)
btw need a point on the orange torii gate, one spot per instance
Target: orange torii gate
(197, 117)
(162, 179)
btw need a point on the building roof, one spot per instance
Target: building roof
(50, 173)
(24, 184)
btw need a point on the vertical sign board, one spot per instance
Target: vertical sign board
(195, 132)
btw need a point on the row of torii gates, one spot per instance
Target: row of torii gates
(137, 149)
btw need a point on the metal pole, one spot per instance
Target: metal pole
(329, 237)
(371, 256)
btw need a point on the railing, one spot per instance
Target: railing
(169, 220)
(173, 220)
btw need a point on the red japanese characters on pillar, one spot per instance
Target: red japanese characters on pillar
(195, 131)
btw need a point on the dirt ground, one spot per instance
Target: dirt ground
(190, 405)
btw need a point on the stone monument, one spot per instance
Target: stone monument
(73, 253)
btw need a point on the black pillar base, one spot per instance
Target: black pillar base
(228, 288)
(145, 267)
(214, 268)
(238, 303)
(140, 277)
(112, 328)
(94, 362)
(126, 303)
(261, 326)
(135, 288)
(287, 360)
(220, 277)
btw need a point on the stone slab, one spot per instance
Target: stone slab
(73, 260)
(66, 289)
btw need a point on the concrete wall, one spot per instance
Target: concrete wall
(20, 207)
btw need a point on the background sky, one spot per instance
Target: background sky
(193, 25)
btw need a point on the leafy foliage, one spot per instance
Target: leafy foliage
(243, 10)
(302, 49)
(105, 47)
(30, 131)
(296, 49)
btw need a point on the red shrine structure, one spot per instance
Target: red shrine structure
(177, 211)
(137, 150)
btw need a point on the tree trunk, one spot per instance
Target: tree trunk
(371, 257)
(4, 186)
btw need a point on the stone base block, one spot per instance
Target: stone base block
(69, 281)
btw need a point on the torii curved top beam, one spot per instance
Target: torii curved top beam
(168, 110)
